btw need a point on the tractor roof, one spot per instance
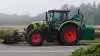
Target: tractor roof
(59, 11)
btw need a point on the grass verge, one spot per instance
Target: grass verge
(93, 49)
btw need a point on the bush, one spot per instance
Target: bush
(5, 32)
(92, 50)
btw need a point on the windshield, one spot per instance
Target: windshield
(56, 16)
(59, 16)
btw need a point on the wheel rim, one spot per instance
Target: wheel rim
(70, 34)
(36, 38)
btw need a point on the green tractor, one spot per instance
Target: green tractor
(64, 27)
(59, 26)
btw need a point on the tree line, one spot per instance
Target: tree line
(91, 14)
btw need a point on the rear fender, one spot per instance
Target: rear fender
(65, 24)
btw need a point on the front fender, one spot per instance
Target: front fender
(39, 26)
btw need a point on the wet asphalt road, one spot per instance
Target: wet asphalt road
(24, 49)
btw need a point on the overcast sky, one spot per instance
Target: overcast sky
(33, 7)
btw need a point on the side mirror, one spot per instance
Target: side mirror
(78, 11)
(46, 18)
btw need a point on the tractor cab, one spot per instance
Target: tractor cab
(56, 17)
(63, 15)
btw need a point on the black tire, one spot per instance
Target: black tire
(26, 35)
(64, 40)
(31, 33)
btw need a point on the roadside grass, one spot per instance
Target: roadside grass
(91, 50)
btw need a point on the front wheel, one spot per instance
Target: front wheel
(36, 39)
(69, 35)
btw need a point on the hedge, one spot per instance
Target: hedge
(92, 50)
(4, 32)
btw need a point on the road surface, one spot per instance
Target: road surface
(23, 49)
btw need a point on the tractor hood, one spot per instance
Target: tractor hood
(38, 22)
(39, 25)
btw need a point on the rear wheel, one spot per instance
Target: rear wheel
(36, 39)
(68, 35)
